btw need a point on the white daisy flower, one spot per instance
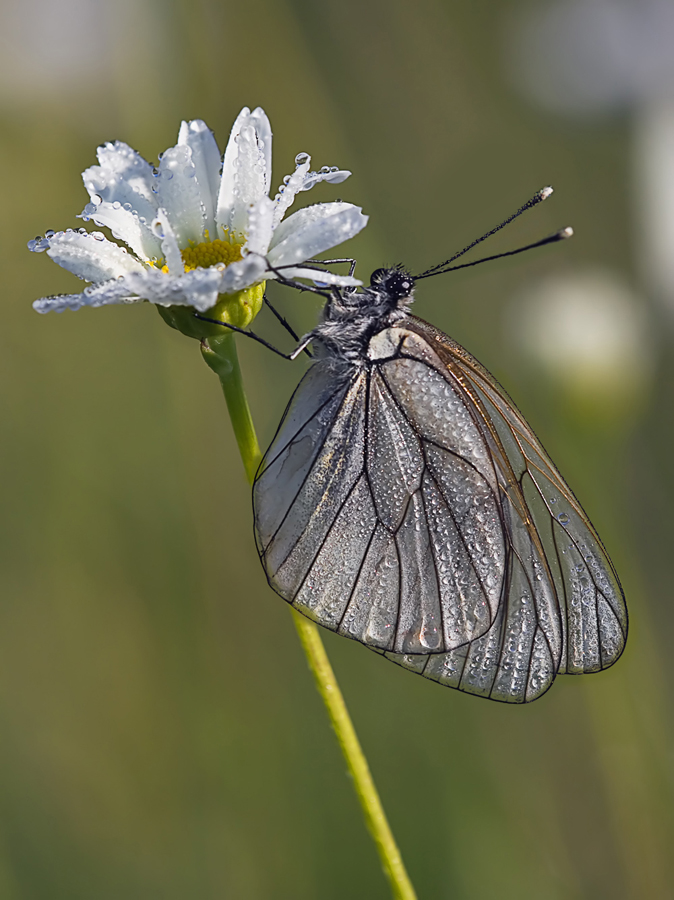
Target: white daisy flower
(198, 226)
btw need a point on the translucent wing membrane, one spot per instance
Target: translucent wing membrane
(375, 528)
(407, 505)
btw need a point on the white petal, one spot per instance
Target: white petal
(244, 273)
(288, 191)
(320, 277)
(169, 244)
(91, 256)
(178, 193)
(227, 181)
(313, 230)
(127, 227)
(198, 288)
(123, 177)
(202, 286)
(206, 158)
(331, 174)
(249, 184)
(115, 291)
(262, 125)
(260, 226)
(245, 172)
(303, 180)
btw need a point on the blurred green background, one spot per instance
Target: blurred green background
(160, 735)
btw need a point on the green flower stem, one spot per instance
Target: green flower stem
(220, 354)
(375, 817)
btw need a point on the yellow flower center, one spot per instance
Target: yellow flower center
(209, 253)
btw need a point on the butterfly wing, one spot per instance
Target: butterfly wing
(577, 621)
(409, 506)
(373, 531)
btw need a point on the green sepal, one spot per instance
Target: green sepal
(236, 309)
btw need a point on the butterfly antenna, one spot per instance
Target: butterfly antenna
(561, 235)
(538, 197)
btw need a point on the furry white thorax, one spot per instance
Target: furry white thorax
(351, 318)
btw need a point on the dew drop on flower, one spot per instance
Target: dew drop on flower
(98, 236)
(302, 158)
(563, 519)
(39, 245)
(157, 228)
(49, 233)
(127, 207)
(116, 205)
(96, 199)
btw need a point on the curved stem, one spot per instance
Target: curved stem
(375, 817)
(220, 354)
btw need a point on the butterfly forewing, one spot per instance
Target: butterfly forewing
(391, 533)
(407, 504)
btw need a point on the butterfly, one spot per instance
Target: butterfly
(406, 503)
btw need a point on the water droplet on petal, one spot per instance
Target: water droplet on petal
(96, 199)
(49, 233)
(302, 158)
(116, 205)
(563, 519)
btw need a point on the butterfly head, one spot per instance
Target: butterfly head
(396, 284)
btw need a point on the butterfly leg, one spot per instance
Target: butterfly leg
(304, 343)
(329, 262)
(298, 285)
(291, 331)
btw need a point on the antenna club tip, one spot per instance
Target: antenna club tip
(545, 192)
(566, 233)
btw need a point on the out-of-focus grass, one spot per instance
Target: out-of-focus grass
(160, 733)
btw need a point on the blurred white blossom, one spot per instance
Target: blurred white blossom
(587, 331)
(590, 58)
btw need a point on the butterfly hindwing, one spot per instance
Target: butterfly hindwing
(580, 607)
